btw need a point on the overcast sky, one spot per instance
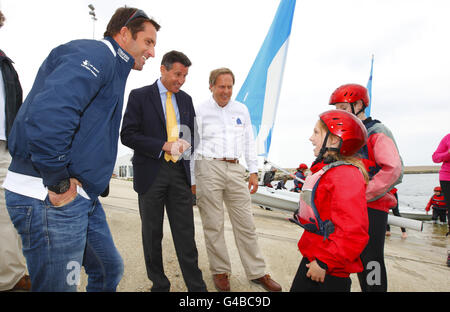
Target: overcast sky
(331, 44)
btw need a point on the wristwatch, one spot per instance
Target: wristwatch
(62, 187)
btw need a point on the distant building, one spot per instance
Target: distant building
(124, 167)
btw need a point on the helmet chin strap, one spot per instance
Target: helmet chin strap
(325, 149)
(352, 105)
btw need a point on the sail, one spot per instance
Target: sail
(369, 88)
(261, 89)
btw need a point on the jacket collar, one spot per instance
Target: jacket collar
(124, 58)
(3, 57)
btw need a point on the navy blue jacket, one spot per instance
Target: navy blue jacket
(144, 130)
(68, 126)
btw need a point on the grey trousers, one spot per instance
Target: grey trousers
(12, 261)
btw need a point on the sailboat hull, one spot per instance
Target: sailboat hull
(280, 199)
(276, 199)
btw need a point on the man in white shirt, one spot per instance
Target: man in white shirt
(225, 134)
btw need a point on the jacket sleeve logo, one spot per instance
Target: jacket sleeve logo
(86, 64)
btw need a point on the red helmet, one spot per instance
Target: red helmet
(350, 93)
(437, 189)
(302, 166)
(348, 127)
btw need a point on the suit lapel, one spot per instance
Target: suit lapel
(155, 100)
(181, 110)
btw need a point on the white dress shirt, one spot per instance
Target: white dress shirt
(225, 132)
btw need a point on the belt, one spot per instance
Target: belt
(233, 161)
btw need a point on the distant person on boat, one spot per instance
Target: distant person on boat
(281, 185)
(396, 212)
(333, 208)
(442, 155)
(300, 173)
(439, 205)
(225, 134)
(385, 167)
(269, 176)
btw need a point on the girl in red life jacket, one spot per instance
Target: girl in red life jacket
(437, 202)
(333, 207)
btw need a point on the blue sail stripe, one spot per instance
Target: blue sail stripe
(369, 88)
(253, 90)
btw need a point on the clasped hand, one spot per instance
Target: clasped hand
(176, 148)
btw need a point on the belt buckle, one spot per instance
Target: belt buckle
(232, 161)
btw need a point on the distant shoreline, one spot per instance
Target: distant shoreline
(422, 169)
(408, 170)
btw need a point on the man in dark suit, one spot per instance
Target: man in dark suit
(159, 126)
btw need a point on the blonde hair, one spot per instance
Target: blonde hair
(354, 160)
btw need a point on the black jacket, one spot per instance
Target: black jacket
(13, 91)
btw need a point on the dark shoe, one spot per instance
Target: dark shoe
(221, 282)
(23, 284)
(268, 283)
(448, 258)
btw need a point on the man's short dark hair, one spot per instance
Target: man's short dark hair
(120, 18)
(175, 57)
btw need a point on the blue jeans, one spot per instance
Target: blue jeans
(57, 241)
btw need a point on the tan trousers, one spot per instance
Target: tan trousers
(12, 261)
(221, 182)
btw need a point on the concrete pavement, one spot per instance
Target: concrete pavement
(417, 263)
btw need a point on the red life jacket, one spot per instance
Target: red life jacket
(437, 202)
(308, 216)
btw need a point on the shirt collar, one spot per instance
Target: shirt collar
(162, 89)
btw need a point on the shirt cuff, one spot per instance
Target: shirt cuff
(322, 264)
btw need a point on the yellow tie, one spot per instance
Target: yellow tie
(171, 125)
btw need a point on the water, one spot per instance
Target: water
(416, 190)
(413, 193)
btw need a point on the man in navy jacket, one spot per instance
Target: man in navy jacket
(64, 145)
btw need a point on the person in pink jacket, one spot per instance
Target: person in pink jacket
(442, 155)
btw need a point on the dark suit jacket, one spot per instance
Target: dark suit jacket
(144, 130)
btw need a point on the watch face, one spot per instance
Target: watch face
(64, 185)
(60, 188)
